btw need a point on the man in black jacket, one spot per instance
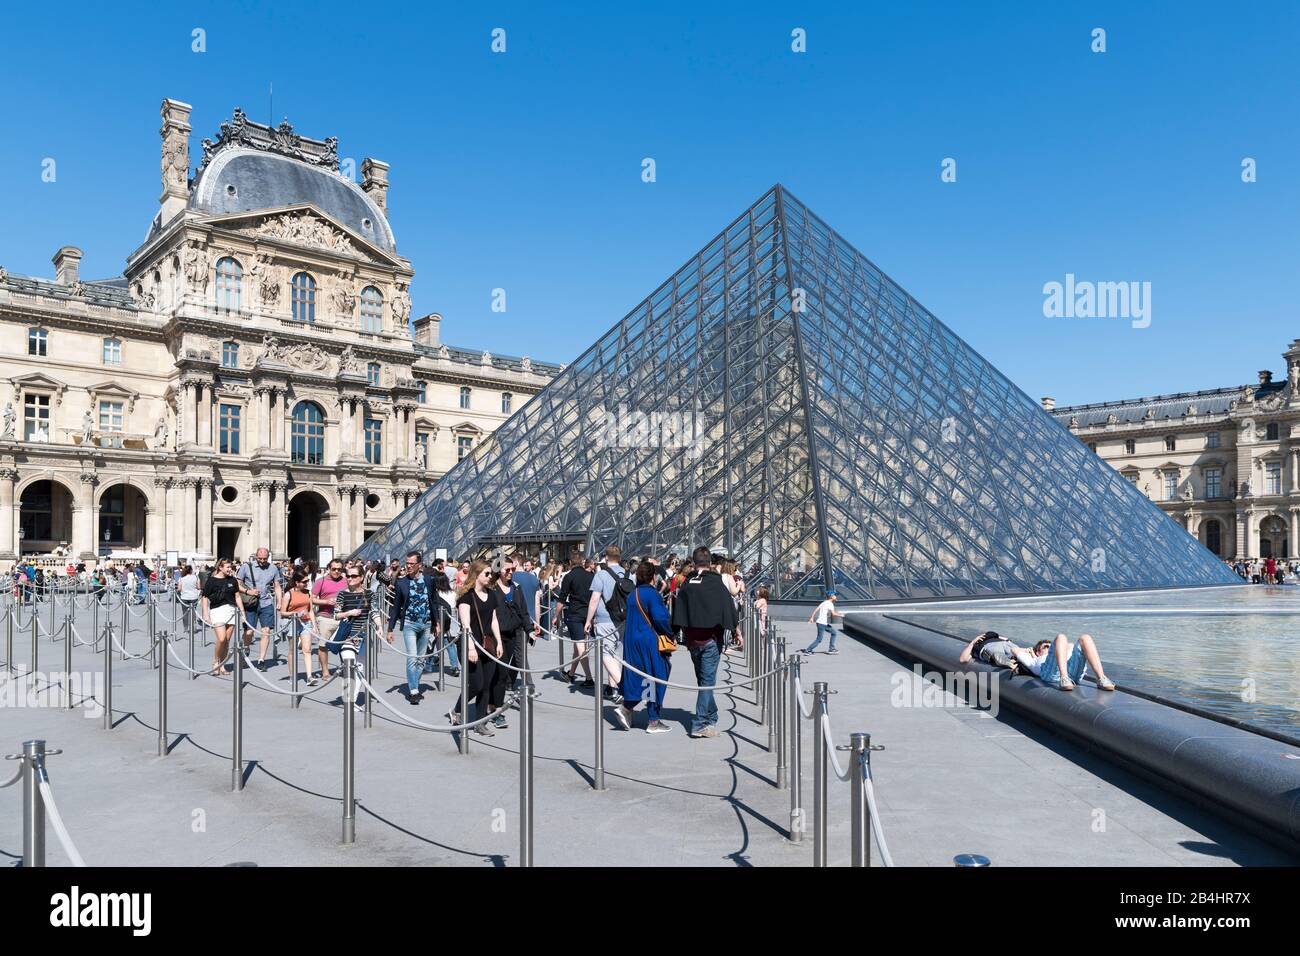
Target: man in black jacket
(704, 610)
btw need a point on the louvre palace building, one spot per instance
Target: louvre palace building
(253, 378)
(1224, 463)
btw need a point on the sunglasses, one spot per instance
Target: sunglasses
(352, 575)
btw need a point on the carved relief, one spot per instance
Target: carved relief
(266, 281)
(344, 299)
(304, 229)
(175, 154)
(195, 264)
(401, 306)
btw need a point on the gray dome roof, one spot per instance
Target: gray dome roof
(263, 180)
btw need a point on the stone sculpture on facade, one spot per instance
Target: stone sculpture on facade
(9, 418)
(345, 301)
(401, 307)
(87, 427)
(160, 433)
(195, 265)
(265, 281)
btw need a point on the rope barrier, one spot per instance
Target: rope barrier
(56, 820)
(14, 779)
(287, 693)
(133, 657)
(875, 817)
(518, 670)
(711, 687)
(798, 688)
(378, 698)
(830, 749)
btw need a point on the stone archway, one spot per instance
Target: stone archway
(1273, 538)
(309, 514)
(44, 516)
(121, 519)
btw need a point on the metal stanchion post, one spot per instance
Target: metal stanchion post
(464, 689)
(193, 611)
(153, 632)
(126, 620)
(796, 752)
(779, 717)
(67, 657)
(372, 668)
(108, 673)
(162, 700)
(33, 804)
(294, 641)
(525, 762)
(860, 744)
(770, 702)
(52, 596)
(237, 733)
(349, 747)
(598, 673)
(9, 637)
(819, 775)
(35, 649)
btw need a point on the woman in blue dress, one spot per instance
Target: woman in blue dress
(647, 618)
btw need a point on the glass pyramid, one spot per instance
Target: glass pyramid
(780, 398)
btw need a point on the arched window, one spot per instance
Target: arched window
(507, 402)
(464, 396)
(230, 277)
(372, 373)
(307, 434)
(302, 297)
(372, 309)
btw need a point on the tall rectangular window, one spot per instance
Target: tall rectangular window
(229, 431)
(1273, 478)
(1213, 483)
(424, 392)
(112, 351)
(230, 355)
(374, 441)
(464, 445)
(110, 416)
(464, 396)
(1212, 440)
(36, 342)
(507, 403)
(1171, 485)
(36, 418)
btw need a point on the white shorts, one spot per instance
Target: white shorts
(225, 615)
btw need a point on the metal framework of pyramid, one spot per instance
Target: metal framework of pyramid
(780, 398)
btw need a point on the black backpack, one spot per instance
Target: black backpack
(616, 605)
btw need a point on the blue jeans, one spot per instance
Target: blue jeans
(1074, 666)
(415, 641)
(823, 630)
(705, 658)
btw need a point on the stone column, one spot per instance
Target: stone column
(343, 523)
(1243, 533)
(84, 531)
(8, 514)
(279, 518)
(205, 396)
(278, 413)
(186, 539)
(259, 426)
(170, 502)
(1293, 538)
(262, 514)
(159, 542)
(1294, 455)
(185, 416)
(205, 515)
(358, 517)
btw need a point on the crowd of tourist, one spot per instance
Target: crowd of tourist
(1266, 570)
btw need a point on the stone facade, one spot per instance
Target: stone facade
(1223, 463)
(252, 379)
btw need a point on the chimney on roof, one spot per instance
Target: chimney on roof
(175, 134)
(426, 330)
(1049, 403)
(1265, 376)
(67, 265)
(374, 182)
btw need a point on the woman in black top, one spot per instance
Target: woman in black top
(477, 608)
(223, 605)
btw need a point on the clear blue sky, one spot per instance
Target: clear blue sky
(522, 170)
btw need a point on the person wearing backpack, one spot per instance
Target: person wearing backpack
(611, 587)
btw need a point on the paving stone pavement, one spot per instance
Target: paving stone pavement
(952, 779)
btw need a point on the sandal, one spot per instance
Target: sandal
(1106, 684)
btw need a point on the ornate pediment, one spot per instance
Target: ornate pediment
(303, 228)
(41, 382)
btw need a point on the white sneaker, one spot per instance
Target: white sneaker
(620, 714)
(658, 727)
